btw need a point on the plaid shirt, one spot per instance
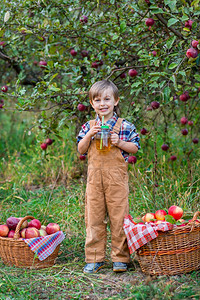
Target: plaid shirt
(127, 132)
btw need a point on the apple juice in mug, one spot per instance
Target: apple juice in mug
(103, 141)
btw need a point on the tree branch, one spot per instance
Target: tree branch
(177, 33)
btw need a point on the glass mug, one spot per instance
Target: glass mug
(103, 141)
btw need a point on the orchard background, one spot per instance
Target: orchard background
(51, 52)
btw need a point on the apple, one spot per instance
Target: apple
(42, 64)
(164, 147)
(123, 75)
(95, 64)
(155, 104)
(149, 108)
(173, 158)
(83, 19)
(1, 105)
(175, 211)
(2, 44)
(184, 131)
(35, 62)
(132, 159)
(31, 232)
(73, 52)
(149, 217)
(143, 131)
(192, 52)
(184, 120)
(82, 157)
(132, 72)
(84, 53)
(195, 140)
(11, 233)
(4, 230)
(154, 53)
(160, 214)
(188, 24)
(149, 22)
(183, 97)
(22, 232)
(195, 43)
(81, 107)
(190, 123)
(43, 227)
(49, 141)
(52, 228)
(42, 232)
(43, 146)
(35, 223)
(4, 88)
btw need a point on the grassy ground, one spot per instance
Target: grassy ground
(65, 279)
(51, 185)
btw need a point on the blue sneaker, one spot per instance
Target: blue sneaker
(93, 268)
(119, 267)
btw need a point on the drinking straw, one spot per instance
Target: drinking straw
(101, 141)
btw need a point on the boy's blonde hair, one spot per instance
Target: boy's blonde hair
(98, 87)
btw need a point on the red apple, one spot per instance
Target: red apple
(123, 75)
(95, 64)
(2, 44)
(81, 107)
(160, 214)
(84, 53)
(22, 232)
(195, 43)
(183, 97)
(175, 211)
(49, 141)
(132, 72)
(149, 217)
(184, 131)
(4, 230)
(83, 19)
(52, 228)
(184, 120)
(82, 157)
(192, 52)
(42, 64)
(190, 123)
(4, 88)
(149, 22)
(1, 105)
(188, 24)
(73, 52)
(155, 104)
(42, 232)
(195, 140)
(11, 234)
(132, 159)
(35, 223)
(143, 131)
(154, 53)
(43, 146)
(173, 158)
(31, 232)
(164, 147)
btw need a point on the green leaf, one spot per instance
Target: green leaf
(172, 21)
(156, 10)
(122, 26)
(170, 219)
(171, 4)
(197, 77)
(170, 42)
(172, 66)
(166, 92)
(135, 220)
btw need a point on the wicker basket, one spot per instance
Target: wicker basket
(14, 251)
(174, 252)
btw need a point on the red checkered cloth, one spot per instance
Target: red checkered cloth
(140, 234)
(45, 245)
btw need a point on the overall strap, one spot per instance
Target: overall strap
(117, 126)
(92, 123)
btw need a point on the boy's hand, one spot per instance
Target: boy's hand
(94, 130)
(114, 138)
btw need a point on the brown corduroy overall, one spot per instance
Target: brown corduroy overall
(106, 193)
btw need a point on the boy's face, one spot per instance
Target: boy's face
(104, 104)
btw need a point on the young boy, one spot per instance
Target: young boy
(107, 182)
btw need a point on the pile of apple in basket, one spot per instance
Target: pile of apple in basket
(29, 230)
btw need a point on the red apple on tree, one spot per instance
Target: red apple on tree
(81, 107)
(132, 72)
(73, 52)
(84, 53)
(195, 43)
(149, 22)
(82, 157)
(164, 147)
(190, 123)
(2, 44)
(49, 141)
(173, 157)
(155, 104)
(43, 146)
(42, 64)
(184, 131)
(143, 131)
(188, 24)
(83, 19)
(4, 88)
(184, 120)
(192, 52)
(175, 211)
(52, 228)
(195, 140)
(154, 53)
